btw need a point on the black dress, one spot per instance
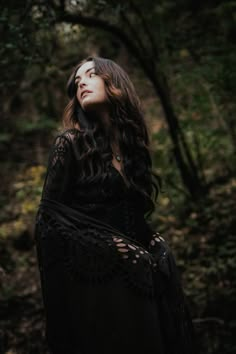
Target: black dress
(109, 282)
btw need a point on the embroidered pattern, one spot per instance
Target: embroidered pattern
(93, 254)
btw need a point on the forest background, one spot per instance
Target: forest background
(181, 57)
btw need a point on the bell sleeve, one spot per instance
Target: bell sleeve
(53, 279)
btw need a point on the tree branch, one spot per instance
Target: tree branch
(216, 320)
(62, 5)
(146, 29)
(92, 22)
(132, 31)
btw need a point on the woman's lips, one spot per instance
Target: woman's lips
(85, 93)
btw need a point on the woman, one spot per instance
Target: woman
(109, 282)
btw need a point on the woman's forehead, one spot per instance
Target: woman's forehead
(84, 67)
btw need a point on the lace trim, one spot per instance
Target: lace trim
(95, 255)
(59, 169)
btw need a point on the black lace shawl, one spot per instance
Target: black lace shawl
(104, 289)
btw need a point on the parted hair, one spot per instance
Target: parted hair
(128, 125)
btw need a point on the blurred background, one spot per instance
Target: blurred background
(181, 57)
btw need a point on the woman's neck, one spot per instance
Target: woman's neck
(104, 119)
(110, 131)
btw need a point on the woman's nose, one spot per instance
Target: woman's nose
(82, 83)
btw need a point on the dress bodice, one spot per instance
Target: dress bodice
(109, 200)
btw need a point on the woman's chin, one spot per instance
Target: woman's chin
(92, 107)
(88, 106)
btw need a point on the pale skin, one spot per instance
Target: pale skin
(96, 100)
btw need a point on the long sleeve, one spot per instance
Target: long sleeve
(59, 169)
(52, 273)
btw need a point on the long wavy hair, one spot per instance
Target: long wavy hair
(128, 126)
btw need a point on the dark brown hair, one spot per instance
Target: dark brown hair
(126, 120)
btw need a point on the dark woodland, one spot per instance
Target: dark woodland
(181, 57)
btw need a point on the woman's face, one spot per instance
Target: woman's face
(91, 92)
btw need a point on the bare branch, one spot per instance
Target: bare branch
(146, 29)
(62, 5)
(133, 31)
(92, 22)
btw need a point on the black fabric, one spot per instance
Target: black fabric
(109, 282)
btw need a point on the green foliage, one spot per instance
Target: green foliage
(207, 253)
(27, 191)
(24, 126)
(196, 51)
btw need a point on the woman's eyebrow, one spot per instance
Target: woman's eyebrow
(78, 77)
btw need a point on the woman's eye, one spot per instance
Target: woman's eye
(77, 82)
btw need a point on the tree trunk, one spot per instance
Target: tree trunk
(184, 160)
(147, 61)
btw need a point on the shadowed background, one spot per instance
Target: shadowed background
(181, 57)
